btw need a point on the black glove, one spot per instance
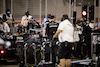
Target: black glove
(53, 38)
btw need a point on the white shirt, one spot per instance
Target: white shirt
(67, 31)
(25, 18)
(91, 25)
(9, 18)
(1, 27)
(46, 19)
(79, 29)
(6, 27)
(45, 23)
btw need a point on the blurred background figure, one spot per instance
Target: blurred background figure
(26, 19)
(44, 24)
(4, 27)
(47, 18)
(82, 19)
(91, 25)
(20, 30)
(98, 26)
(8, 18)
(1, 26)
(79, 26)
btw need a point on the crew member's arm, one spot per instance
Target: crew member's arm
(18, 34)
(7, 29)
(22, 20)
(21, 33)
(57, 33)
(47, 29)
(97, 28)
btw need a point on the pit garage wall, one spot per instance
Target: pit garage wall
(98, 12)
(79, 12)
(58, 8)
(55, 7)
(1, 5)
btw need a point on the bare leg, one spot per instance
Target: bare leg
(68, 62)
(62, 62)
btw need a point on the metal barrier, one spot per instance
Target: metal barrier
(95, 44)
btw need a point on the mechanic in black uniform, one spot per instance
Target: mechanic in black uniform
(87, 33)
(51, 27)
(51, 30)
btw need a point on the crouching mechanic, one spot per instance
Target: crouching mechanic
(4, 27)
(65, 35)
(21, 30)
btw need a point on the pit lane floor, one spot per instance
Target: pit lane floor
(8, 65)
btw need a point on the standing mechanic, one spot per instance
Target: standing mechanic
(26, 18)
(65, 32)
(8, 18)
(44, 24)
(51, 27)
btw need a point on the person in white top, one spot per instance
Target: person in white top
(8, 18)
(26, 19)
(91, 25)
(4, 27)
(65, 33)
(44, 24)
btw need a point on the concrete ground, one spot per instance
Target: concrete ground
(8, 65)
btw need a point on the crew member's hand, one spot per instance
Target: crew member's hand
(21, 33)
(97, 28)
(5, 34)
(25, 31)
(17, 34)
(53, 38)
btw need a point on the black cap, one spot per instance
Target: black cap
(7, 10)
(52, 17)
(65, 16)
(49, 14)
(27, 12)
